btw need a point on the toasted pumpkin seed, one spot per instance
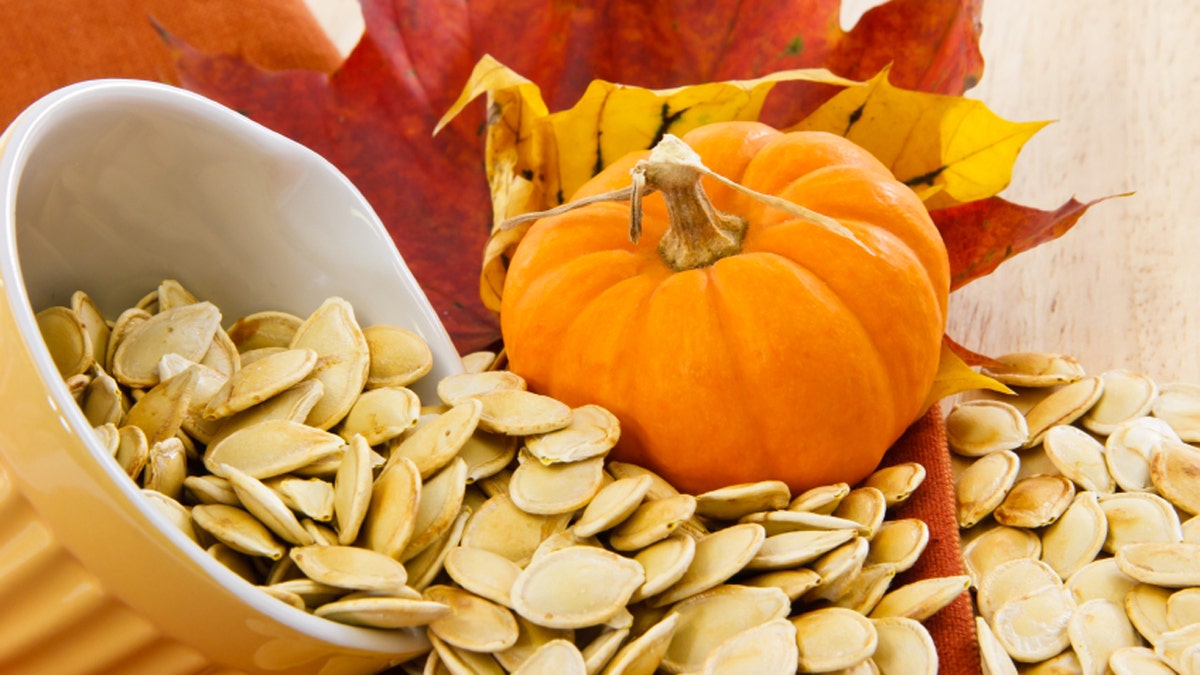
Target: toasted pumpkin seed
(779, 522)
(1078, 456)
(838, 568)
(1146, 607)
(899, 543)
(292, 405)
(1138, 661)
(266, 505)
(646, 652)
(717, 557)
(1180, 649)
(271, 448)
(343, 359)
(897, 483)
(432, 444)
(794, 583)
(439, 502)
(904, 646)
(166, 467)
(558, 488)
(865, 590)
(392, 514)
(1033, 627)
(1175, 473)
(382, 611)
(993, 656)
(1139, 517)
(652, 521)
(1127, 395)
(768, 648)
(458, 661)
(592, 432)
(210, 489)
(612, 504)
(982, 426)
(238, 530)
(1077, 537)
(997, 546)
(478, 361)
(473, 623)
(67, 340)
(350, 567)
(1178, 405)
(93, 323)
(486, 574)
(186, 330)
(311, 497)
(556, 656)
(575, 587)
(1167, 564)
(921, 599)
(1014, 579)
(499, 526)
(161, 411)
(352, 488)
(425, 567)
(530, 638)
(833, 638)
(179, 515)
(1064, 406)
(133, 450)
(521, 413)
(822, 499)
(1100, 578)
(381, 414)
(1097, 629)
(1036, 501)
(398, 356)
(103, 401)
(983, 485)
(1035, 369)
(789, 549)
(260, 381)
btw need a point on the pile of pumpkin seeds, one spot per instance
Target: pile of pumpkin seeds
(292, 450)
(1077, 501)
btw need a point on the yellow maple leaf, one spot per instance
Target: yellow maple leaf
(954, 376)
(949, 149)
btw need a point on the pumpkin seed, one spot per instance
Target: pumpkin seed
(592, 432)
(558, 488)
(177, 514)
(652, 521)
(103, 401)
(521, 413)
(833, 638)
(1167, 564)
(983, 485)
(313, 593)
(67, 340)
(1131, 446)
(1011, 580)
(186, 330)
(983, 426)
(530, 638)
(778, 522)
(352, 489)
(997, 546)
(1191, 530)
(486, 574)
(425, 567)
(575, 587)
(708, 619)
(993, 656)
(1146, 607)
(1139, 517)
(478, 361)
(432, 444)
(1137, 661)
(1034, 369)
(264, 330)
(921, 599)
(664, 563)
(238, 530)
(166, 468)
(260, 381)
(717, 557)
(392, 514)
(271, 448)
(1183, 608)
(1033, 627)
(1175, 473)
(439, 502)
(899, 543)
(1097, 629)
(1100, 578)
(611, 505)
(499, 526)
(93, 323)
(865, 590)
(133, 450)
(381, 414)
(322, 534)
(1127, 395)
(486, 454)
(1180, 648)
(1064, 406)
(1178, 405)
(351, 568)
(822, 499)
(1077, 537)
(382, 611)
(108, 436)
(904, 646)
(644, 653)
(838, 568)
(864, 505)
(1036, 501)
(125, 323)
(556, 656)
(292, 405)
(398, 356)
(790, 549)
(264, 504)
(343, 359)
(794, 583)
(897, 483)
(474, 624)
(769, 648)
(454, 389)
(458, 661)
(160, 412)
(209, 489)
(1078, 456)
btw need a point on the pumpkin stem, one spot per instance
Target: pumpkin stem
(698, 234)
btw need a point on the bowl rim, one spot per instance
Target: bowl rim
(17, 145)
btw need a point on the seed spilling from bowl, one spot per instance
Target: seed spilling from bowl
(291, 449)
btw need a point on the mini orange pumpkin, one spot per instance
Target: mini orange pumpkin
(737, 342)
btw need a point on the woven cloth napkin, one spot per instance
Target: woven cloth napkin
(952, 628)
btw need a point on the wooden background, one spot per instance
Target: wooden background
(1122, 81)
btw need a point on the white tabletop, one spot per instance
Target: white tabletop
(1122, 81)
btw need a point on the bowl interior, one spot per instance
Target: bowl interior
(113, 186)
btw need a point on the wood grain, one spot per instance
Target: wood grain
(1122, 82)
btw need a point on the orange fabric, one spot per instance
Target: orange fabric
(47, 44)
(953, 628)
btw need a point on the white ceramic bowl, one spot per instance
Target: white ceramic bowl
(110, 186)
